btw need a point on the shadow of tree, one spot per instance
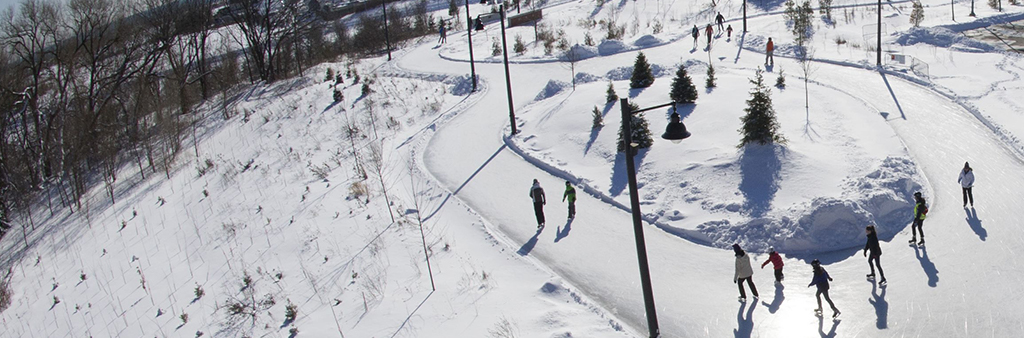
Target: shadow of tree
(760, 167)
(619, 177)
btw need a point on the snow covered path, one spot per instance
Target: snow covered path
(945, 289)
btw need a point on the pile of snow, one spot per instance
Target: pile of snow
(942, 37)
(647, 41)
(609, 47)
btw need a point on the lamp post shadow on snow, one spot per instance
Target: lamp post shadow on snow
(894, 99)
(739, 46)
(975, 223)
(881, 307)
(760, 167)
(821, 328)
(463, 185)
(563, 232)
(620, 178)
(745, 326)
(528, 246)
(929, 268)
(777, 301)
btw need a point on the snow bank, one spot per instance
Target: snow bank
(551, 89)
(580, 51)
(943, 37)
(647, 41)
(610, 47)
(882, 197)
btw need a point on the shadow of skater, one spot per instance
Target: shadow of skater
(881, 307)
(528, 246)
(821, 328)
(975, 223)
(563, 232)
(759, 167)
(929, 268)
(779, 297)
(619, 177)
(744, 326)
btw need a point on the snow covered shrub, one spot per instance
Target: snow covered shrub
(917, 15)
(330, 75)
(504, 329)
(614, 31)
(357, 189)
(760, 125)
(642, 77)
(610, 95)
(780, 82)
(338, 79)
(682, 87)
(495, 46)
(366, 90)
(994, 4)
(338, 96)
(641, 131)
(710, 81)
(657, 27)
(199, 292)
(825, 8)
(290, 312)
(587, 39)
(184, 318)
(598, 119)
(519, 47)
(1015, 2)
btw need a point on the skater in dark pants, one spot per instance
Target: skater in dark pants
(444, 35)
(710, 32)
(776, 261)
(743, 272)
(570, 193)
(537, 194)
(769, 52)
(821, 279)
(920, 211)
(876, 253)
(966, 181)
(695, 33)
(720, 20)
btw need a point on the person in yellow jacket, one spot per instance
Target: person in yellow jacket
(570, 193)
(920, 211)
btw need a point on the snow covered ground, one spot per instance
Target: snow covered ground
(271, 195)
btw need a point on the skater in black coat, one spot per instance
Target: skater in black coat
(876, 252)
(821, 279)
(537, 194)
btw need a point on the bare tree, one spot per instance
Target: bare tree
(268, 27)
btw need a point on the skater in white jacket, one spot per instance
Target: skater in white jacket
(967, 183)
(743, 272)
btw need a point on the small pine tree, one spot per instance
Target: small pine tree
(338, 96)
(710, 82)
(917, 15)
(495, 46)
(519, 47)
(759, 124)
(610, 95)
(598, 119)
(330, 75)
(641, 134)
(642, 77)
(682, 87)
(780, 81)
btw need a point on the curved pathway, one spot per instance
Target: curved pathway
(950, 288)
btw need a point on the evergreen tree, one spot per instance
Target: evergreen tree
(780, 81)
(598, 119)
(710, 82)
(760, 125)
(642, 77)
(641, 130)
(917, 14)
(682, 87)
(610, 95)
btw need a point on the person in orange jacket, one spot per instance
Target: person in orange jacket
(769, 51)
(776, 260)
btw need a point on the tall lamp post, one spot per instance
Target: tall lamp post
(508, 80)
(878, 50)
(387, 36)
(675, 132)
(469, 34)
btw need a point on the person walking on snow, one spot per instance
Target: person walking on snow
(920, 211)
(769, 50)
(728, 32)
(876, 252)
(696, 33)
(776, 261)
(709, 31)
(570, 193)
(720, 20)
(743, 272)
(537, 194)
(966, 181)
(821, 279)
(444, 34)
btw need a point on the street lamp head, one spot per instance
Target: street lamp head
(676, 130)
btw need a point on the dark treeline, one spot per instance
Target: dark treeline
(88, 86)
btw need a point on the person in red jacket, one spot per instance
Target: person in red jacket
(769, 52)
(776, 261)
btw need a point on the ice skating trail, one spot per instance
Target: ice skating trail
(956, 285)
